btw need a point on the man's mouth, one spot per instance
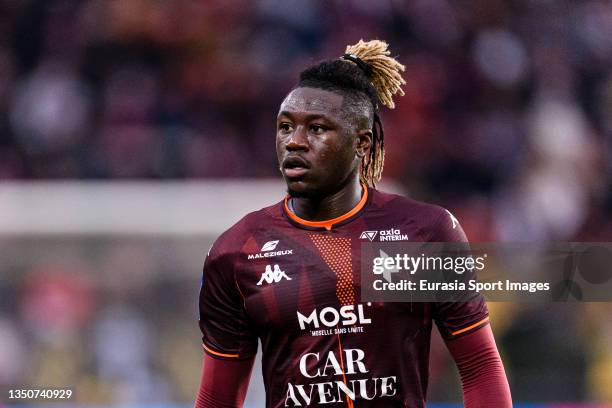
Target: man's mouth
(295, 166)
(295, 172)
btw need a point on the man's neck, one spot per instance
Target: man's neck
(330, 206)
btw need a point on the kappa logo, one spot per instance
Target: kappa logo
(272, 276)
(369, 235)
(269, 246)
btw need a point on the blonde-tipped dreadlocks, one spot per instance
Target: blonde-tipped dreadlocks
(385, 71)
(365, 73)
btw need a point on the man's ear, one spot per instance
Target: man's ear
(363, 142)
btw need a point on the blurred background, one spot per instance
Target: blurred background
(133, 132)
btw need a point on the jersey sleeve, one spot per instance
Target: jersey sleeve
(455, 319)
(226, 330)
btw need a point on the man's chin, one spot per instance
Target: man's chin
(301, 189)
(300, 193)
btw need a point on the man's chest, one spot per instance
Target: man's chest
(309, 280)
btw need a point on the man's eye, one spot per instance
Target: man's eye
(284, 127)
(317, 129)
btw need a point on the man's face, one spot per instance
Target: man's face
(317, 149)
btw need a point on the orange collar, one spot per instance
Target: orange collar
(327, 224)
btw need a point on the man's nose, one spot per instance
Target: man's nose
(298, 139)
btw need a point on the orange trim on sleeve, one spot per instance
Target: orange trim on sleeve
(219, 354)
(241, 295)
(328, 224)
(470, 327)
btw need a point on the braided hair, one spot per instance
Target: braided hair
(364, 75)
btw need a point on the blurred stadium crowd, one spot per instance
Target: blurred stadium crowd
(113, 318)
(507, 121)
(506, 118)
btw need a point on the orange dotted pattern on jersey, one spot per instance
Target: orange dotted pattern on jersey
(336, 252)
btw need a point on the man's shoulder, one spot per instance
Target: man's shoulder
(395, 203)
(438, 223)
(235, 237)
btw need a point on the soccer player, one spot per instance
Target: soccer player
(288, 274)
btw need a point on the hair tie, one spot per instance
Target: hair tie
(360, 63)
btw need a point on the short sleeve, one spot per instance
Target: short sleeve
(455, 319)
(226, 329)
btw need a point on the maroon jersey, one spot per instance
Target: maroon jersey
(294, 285)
